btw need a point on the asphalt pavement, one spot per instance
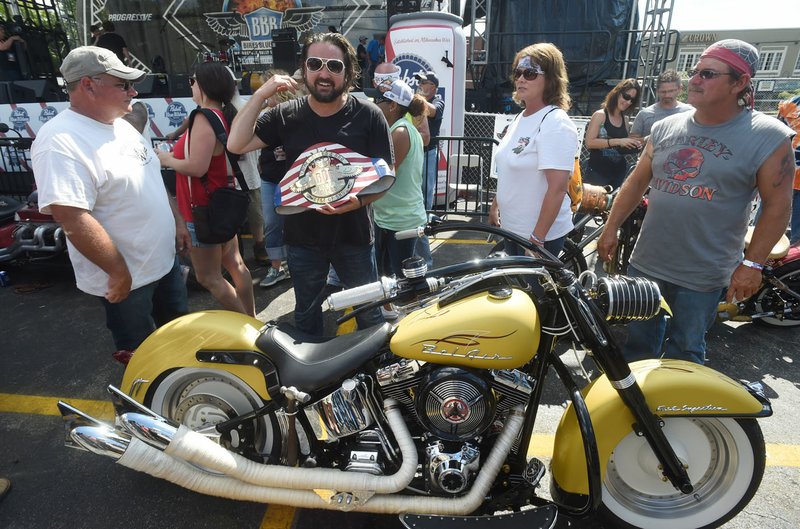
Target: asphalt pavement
(55, 346)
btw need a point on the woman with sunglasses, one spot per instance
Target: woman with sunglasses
(607, 136)
(201, 165)
(537, 152)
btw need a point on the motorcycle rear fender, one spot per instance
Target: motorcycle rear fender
(176, 344)
(672, 388)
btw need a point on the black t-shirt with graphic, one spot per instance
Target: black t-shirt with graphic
(360, 126)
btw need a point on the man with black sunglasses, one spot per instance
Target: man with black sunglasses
(668, 88)
(703, 168)
(341, 236)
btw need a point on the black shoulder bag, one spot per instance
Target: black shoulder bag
(220, 220)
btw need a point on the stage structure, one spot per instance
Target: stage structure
(173, 37)
(29, 68)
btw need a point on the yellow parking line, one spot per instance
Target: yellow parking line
(34, 404)
(778, 455)
(278, 517)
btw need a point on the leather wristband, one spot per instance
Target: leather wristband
(752, 264)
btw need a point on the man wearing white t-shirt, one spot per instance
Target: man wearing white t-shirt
(101, 181)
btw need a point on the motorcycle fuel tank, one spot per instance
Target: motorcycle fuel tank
(495, 329)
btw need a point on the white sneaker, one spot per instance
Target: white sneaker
(273, 276)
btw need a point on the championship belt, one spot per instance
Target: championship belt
(330, 173)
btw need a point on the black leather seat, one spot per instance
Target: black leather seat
(311, 362)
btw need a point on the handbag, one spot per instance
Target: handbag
(221, 219)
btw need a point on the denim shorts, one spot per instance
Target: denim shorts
(195, 242)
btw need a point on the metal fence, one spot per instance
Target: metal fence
(770, 92)
(16, 175)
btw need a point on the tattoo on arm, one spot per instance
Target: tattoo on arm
(786, 171)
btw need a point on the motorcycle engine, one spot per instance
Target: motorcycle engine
(452, 403)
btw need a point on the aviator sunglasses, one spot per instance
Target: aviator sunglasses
(315, 64)
(125, 86)
(529, 74)
(707, 74)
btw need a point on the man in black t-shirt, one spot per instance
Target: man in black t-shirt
(114, 42)
(428, 86)
(341, 236)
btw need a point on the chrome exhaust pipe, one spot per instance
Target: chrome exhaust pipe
(101, 440)
(151, 430)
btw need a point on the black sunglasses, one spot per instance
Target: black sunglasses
(626, 97)
(315, 64)
(192, 81)
(707, 74)
(528, 73)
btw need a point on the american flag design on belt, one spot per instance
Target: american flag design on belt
(327, 173)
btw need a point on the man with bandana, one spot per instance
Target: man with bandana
(703, 168)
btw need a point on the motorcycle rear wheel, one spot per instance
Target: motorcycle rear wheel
(768, 299)
(201, 398)
(725, 460)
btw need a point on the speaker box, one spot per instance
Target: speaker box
(152, 86)
(34, 91)
(179, 86)
(4, 96)
(284, 49)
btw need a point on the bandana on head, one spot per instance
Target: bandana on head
(739, 55)
(526, 62)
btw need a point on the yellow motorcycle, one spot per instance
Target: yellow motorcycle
(433, 415)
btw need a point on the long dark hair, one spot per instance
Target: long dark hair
(216, 82)
(611, 100)
(351, 69)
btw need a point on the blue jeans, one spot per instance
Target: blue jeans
(390, 253)
(146, 308)
(554, 247)
(795, 225)
(273, 223)
(309, 267)
(693, 314)
(430, 177)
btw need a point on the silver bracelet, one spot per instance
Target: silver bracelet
(752, 264)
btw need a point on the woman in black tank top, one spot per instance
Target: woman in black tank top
(607, 136)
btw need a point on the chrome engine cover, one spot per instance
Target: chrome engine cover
(344, 412)
(451, 473)
(455, 404)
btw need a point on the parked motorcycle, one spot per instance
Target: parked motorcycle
(26, 234)
(777, 302)
(435, 413)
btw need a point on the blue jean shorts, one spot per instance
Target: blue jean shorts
(195, 242)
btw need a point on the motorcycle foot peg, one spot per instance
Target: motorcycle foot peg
(534, 472)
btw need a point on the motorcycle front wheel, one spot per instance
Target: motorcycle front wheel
(202, 398)
(770, 299)
(724, 458)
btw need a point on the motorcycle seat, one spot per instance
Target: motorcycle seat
(8, 206)
(310, 362)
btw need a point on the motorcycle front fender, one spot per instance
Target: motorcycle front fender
(672, 388)
(175, 345)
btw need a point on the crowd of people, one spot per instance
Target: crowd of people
(701, 162)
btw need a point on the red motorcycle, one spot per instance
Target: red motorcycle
(26, 234)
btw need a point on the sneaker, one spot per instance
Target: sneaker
(273, 276)
(123, 356)
(260, 253)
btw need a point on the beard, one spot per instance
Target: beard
(334, 93)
